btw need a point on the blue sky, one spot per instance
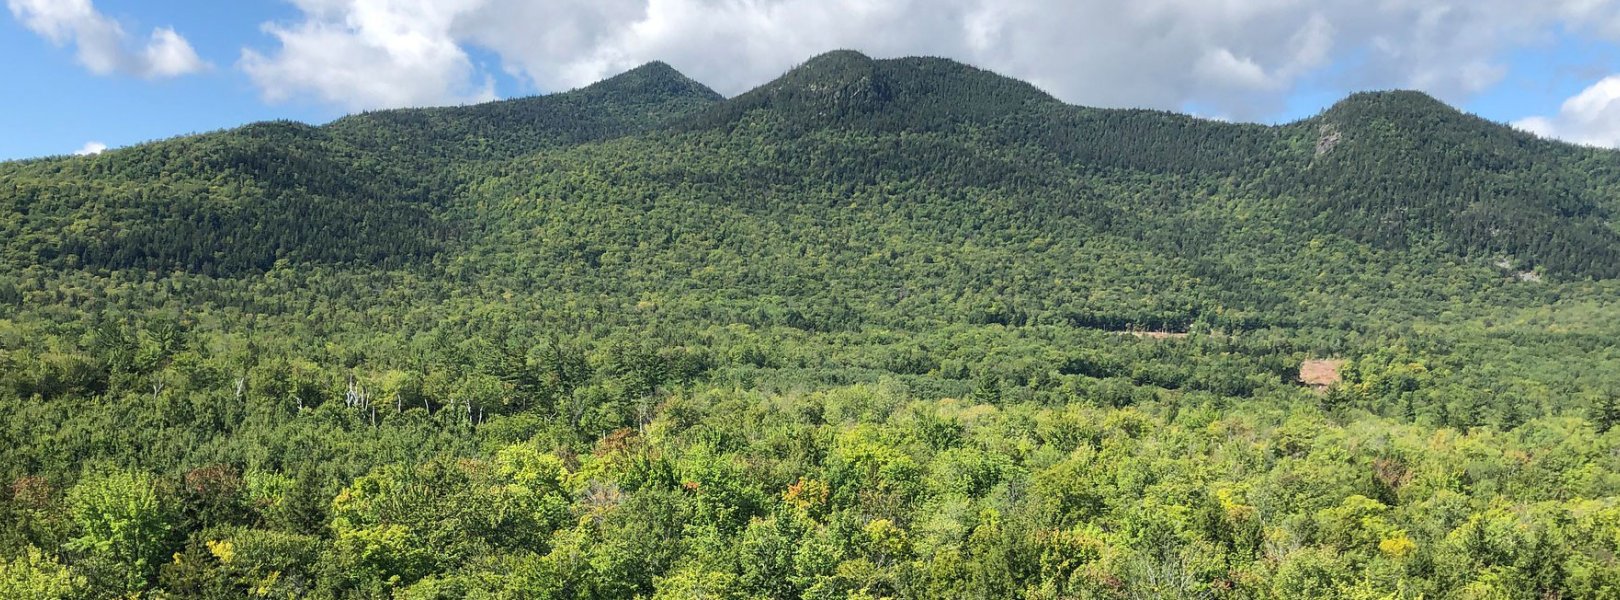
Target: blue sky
(82, 71)
(53, 105)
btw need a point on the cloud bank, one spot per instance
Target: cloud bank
(91, 149)
(1591, 117)
(1241, 58)
(103, 46)
(364, 54)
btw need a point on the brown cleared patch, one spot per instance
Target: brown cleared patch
(621, 441)
(1391, 472)
(32, 492)
(1320, 374)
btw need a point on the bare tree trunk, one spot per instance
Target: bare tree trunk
(642, 409)
(351, 397)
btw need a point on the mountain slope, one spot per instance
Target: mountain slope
(226, 203)
(364, 189)
(632, 102)
(1398, 171)
(1395, 168)
(849, 89)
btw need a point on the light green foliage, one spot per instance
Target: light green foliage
(38, 576)
(122, 522)
(698, 585)
(381, 557)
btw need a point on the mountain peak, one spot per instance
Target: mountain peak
(656, 79)
(630, 102)
(847, 87)
(658, 66)
(1408, 119)
(1397, 105)
(836, 59)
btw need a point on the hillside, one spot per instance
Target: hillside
(1406, 167)
(862, 332)
(363, 190)
(1401, 170)
(636, 101)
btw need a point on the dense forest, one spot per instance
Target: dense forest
(877, 329)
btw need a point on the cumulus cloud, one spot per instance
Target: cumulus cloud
(370, 54)
(1237, 57)
(91, 149)
(103, 46)
(1591, 117)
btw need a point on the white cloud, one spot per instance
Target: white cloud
(103, 46)
(1591, 117)
(1239, 57)
(370, 54)
(91, 149)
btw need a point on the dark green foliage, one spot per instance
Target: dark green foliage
(1606, 413)
(1408, 168)
(220, 204)
(847, 89)
(633, 102)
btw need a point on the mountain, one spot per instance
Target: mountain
(846, 88)
(875, 329)
(363, 189)
(633, 102)
(223, 203)
(1394, 168)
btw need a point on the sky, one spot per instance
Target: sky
(86, 75)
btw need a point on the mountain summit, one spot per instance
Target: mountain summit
(1400, 168)
(631, 102)
(847, 88)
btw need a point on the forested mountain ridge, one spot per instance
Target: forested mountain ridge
(876, 329)
(225, 203)
(636, 101)
(1396, 166)
(363, 189)
(1393, 169)
(848, 89)
(1390, 168)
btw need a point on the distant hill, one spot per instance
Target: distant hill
(1397, 167)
